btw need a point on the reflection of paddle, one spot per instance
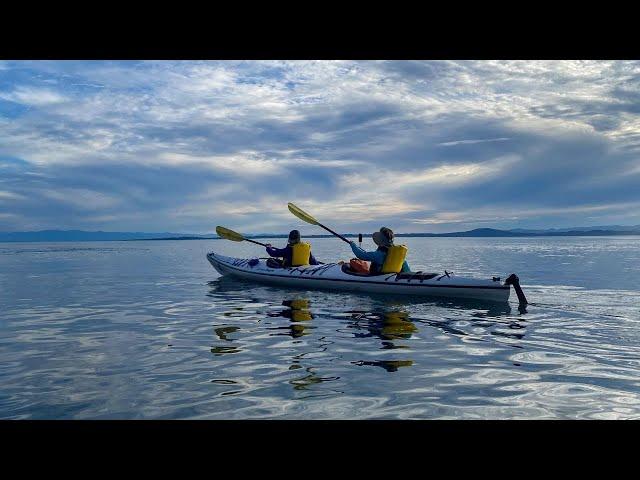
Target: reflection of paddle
(234, 236)
(302, 215)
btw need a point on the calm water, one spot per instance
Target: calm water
(150, 330)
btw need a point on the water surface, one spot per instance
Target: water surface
(101, 330)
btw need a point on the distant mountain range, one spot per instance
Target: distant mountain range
(79, 236)
(84, 236)
(492, 232)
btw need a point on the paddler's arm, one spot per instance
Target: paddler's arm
(312, 260)
(405, 267)
(362, 254)
(276, 252)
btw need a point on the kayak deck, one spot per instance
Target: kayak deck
(334, 276)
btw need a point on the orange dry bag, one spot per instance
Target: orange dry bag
(359, 266)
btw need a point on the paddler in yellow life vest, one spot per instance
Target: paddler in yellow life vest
(388, 258)
(295, 254)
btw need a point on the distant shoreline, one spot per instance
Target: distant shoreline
(478, 233)
(426, 235)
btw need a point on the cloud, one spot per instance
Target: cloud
(164, 145)
(482, 215)
(82, 198)
(5, 195)
(469, 142)
(457, 174)
(38, 97)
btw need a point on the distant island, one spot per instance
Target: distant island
(99, 236)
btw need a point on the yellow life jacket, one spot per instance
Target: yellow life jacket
(300, 253)
(394, 259)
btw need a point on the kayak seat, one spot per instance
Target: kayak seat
(416, 276)
(347, 269)
(274, 263)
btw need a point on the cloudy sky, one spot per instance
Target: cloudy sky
(419, 146)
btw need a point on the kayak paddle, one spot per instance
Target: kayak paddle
(304, 216)
(234, 236)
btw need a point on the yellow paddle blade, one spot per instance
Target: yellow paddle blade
(229, 234)
(302, 215)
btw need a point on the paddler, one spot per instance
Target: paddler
(388, 258)
(296, 252)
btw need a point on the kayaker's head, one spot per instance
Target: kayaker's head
(383, 238)
(294, 237)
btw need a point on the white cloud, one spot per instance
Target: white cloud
(81, 198)
(38, 97)
(457, 174)
(483, 215)
(393, 182)
(250, 161)
(469, 142)
(6, 195)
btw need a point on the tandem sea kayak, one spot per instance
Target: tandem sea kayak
(338, 276)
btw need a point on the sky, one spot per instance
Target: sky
(417, 146)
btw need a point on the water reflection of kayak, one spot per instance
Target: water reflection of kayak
(336, 276)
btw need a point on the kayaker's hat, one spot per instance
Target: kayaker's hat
(383, 238)
(294, 237)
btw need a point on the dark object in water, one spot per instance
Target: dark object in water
(515, 281)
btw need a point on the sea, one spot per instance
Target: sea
(149, 330)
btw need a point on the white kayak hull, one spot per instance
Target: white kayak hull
(333, 277)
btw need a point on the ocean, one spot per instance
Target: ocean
(149, 330)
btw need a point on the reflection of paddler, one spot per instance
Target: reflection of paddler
(396, 325)
(388, 365)
(298, 304)
(297, 312)
(223, 331)
(303, 383)
(298, 330)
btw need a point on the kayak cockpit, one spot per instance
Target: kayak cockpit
(420, 276)
(346, 268)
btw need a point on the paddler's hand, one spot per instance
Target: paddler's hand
(268, 245)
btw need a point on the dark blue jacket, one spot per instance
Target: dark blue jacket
(287, 253)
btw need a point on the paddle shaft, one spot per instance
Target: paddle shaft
(305, 217)
(253, 241)
(336, 234)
